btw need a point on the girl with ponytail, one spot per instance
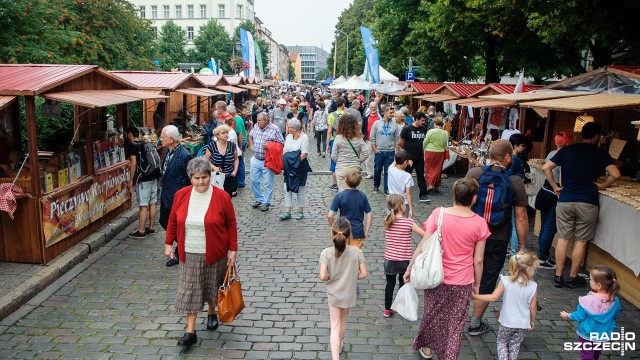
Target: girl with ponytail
(341, 265)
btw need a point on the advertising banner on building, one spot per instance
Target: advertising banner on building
(66, 211)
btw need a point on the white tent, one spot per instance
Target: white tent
(384, 75)
(339, 80)
(353, 83)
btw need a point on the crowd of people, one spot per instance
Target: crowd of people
(385, 142)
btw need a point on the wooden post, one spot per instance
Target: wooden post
(523, 116)
(30, 107)
(89, 142)
(167, 107)
(547, 128)
(198, 109)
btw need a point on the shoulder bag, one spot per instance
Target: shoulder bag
(230, 302)
(427, 271)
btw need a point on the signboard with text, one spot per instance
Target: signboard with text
(66, 211)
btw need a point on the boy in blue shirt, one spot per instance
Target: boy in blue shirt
(353, 204)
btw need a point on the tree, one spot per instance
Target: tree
(323, 74)
(171, 46)
(104, 32)
(213, 41)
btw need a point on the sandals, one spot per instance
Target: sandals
(285, 216)
(299, 215)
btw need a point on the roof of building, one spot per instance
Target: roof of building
(211, 80)
(425, 87)
(153, 79)
(587, 102)
(464, 90)
(32, 79)
(293, 56)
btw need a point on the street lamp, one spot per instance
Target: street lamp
(346, 72)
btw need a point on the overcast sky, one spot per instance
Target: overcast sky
(301, 22)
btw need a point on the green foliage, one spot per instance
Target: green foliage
(108, 33)
(360, 13)
(171, 44)
(53, 133)
(213, 41)
(323, 74)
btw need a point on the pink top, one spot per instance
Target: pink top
(459, 237)
(596, 303)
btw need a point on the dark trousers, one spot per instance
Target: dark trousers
(548, 230)
(418, 165)
(388, 289)
(230, 184)
(382, 161)
(164, 222)
(321, 140)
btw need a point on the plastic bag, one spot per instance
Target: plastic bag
(406, 303)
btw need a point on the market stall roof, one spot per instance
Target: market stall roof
(153, 79)
(535, 95)
(435, 97)
(486, 104)
(250, 87)
(201, 92)
(605, 79)
(6, 100)
(34, 79)
(384, 74)
(101, 98)
(465, 101)
(464, 90)
(588, 102)
(403, 93)
(339, 80)
(211, 80)
(234, 80)
(354, 83)
(505, 88)
(425, 87)
(229, 88)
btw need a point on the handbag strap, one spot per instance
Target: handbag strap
(439, 230)
(354, 149)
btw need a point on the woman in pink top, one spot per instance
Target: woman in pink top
(463, 239)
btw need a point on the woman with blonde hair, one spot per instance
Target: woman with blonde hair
(399, 118)
(435, 145)
(223, 156)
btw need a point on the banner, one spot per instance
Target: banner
(252, 55)
(259, 60)
(244, 39)
(69, 210)
(371, 54)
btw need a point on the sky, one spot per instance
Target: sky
(301, 22)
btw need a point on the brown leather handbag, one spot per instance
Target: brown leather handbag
(230, 302)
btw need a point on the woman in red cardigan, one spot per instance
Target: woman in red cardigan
(204, 223)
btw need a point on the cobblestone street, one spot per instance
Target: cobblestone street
(117, 304)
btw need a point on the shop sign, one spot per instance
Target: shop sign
(72, 208)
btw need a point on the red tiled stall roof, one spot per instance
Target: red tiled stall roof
(211, 80)
(629, 69)
(153, 79)
(509, 88)
(32, 79)
(425, 87)
(234, 80)
(464, 90)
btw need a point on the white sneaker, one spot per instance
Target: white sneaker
(369, 176)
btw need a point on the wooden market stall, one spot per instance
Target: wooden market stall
(78, 187)
(616, 243)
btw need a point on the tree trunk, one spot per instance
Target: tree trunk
(602, 56)
(491, 71)
(537, 80)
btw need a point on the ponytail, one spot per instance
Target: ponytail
(340, 232)
(394, 204)
(606, 277)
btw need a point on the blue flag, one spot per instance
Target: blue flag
(244, 39)
(371, 53)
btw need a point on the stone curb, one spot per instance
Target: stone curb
(66, 261)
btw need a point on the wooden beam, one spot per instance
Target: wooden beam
(30, 107)
(548, 127)
(523, 117)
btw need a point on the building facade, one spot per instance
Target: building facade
(278, 56)
(192, 15)
(313, 59)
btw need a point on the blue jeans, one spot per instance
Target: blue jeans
(258, 171)
(241, 171)
(548, 230)
(382, 160)
(514, 235)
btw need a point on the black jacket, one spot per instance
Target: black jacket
(295, 170)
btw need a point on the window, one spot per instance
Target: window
(221, 11)
(203, 11)
(165, 11)
(154, 11)
(239, 12)
(189, 32)
(143, 12)
(178, 11)
(190, 11)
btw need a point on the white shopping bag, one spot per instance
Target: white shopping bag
(217, 179)
(406, 303)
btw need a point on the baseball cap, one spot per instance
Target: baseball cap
(282, 102)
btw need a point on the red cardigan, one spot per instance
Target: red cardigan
(220, 227)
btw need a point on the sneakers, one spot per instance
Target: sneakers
(575, 282)
(264, 207)
(137, 235)
(149, 231)
(387, 313)
(375, 189)
(369, 176)
(386, 193)
(480, 329)
(334, 187)
(558, 281)
(546, 265)
(256, 204)
(424, 199)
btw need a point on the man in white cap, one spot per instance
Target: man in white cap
(279, 116)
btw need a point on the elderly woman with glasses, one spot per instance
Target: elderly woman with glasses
(296, 167)
(204, 222)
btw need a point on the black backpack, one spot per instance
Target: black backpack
(149, 161)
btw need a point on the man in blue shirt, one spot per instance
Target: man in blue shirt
(578, 202)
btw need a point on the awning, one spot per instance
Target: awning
(486, 104)
(102, 98)
(201, 92)
(534, 95)
(588, 102)
(250, 87)
(436, 97)
(229, 88)
(403, 93)
(464, 101)
(6, 100)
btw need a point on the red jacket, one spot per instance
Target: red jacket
(273, 158)
(220, 228)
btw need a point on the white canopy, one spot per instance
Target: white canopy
(353, 83)
(387, 88)
(384, 75)
(339, 80)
